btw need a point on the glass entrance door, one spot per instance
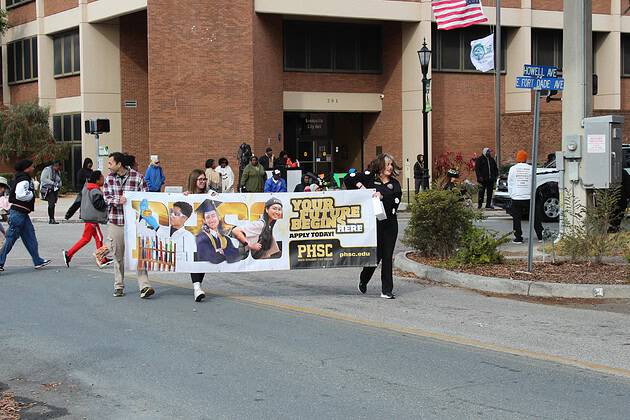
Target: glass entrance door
(315, 156)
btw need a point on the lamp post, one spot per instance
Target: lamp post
(424, 54)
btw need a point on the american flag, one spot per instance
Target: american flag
(452, 14)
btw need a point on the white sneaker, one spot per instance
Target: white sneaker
(388, 296)
(199, 295)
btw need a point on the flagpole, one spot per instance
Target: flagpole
(497, 89)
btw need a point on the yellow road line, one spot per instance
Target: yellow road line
(596, 367)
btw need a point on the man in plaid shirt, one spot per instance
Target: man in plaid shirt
(120, 179)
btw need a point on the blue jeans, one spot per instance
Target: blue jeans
(20, 226)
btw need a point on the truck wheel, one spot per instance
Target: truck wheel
(550, 207)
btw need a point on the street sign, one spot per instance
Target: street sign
(540, 71)
(540, 83)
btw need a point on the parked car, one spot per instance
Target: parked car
(547, 181)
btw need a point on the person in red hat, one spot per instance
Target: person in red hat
(519, 188)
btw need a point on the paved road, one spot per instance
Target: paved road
(107, 358)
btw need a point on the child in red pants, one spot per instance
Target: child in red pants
(93, 212)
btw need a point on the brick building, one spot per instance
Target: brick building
(333, 82)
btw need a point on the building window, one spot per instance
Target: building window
(67, 54)
(332, 47)
(67, 127)
(625, 54)
(451, 49)
(547, 47)
(15, 3)
(22, 60)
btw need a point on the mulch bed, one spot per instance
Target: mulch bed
(565, 272)
(9, 407)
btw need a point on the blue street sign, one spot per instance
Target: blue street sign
(540, 83)
(540, 71)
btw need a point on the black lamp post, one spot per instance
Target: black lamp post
(424, 54)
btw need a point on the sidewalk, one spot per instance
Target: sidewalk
(63, 204)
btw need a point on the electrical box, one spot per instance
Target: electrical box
(573, 146)
(602, 156)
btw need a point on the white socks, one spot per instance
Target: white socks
(196, 286)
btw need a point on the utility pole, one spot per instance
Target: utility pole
(577, 98)
(497, 85)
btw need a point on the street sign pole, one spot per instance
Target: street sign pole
(536, 78)
(532, 197)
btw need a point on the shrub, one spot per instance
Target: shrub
(587, 231)
(479, 246)
(439, 219)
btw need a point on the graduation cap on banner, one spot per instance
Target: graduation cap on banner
(208, 206)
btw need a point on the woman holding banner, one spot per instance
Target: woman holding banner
(197, 184)
(258, 236)
(381, 175)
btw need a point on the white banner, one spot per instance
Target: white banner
(249, 232)
(482, 53)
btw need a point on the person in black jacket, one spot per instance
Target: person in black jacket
(487, 173)
(268, 159)
(418, 172)
(22, 199)
(381, 175)
(82, 176)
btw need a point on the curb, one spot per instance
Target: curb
(512, 287)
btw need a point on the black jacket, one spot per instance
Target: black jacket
(417, 171)
(82, 177)
(265, 161)
(22, 206)
(391, 192)
(486, 169)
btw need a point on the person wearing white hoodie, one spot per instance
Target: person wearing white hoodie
(519, 187)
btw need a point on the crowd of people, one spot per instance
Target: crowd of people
(101, 201)
(102, 198)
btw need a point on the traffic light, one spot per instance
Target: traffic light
(97, 126)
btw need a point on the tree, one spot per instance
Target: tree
(25, 133)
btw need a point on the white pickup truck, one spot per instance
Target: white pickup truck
(547, 181)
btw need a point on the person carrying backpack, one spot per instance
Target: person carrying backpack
(93, 213)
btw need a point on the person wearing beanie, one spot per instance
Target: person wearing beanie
(519, 188)
(257, 236)
(487, 173)
(22, 199)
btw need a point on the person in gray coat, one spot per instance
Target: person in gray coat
(93, 213)
(50, 186)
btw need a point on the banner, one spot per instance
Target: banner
(482, 53)
(205, 233)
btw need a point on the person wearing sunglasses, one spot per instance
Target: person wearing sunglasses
(185, 245)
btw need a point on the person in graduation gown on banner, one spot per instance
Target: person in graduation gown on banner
(212, 245)
(381, 175)
(257, 236)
